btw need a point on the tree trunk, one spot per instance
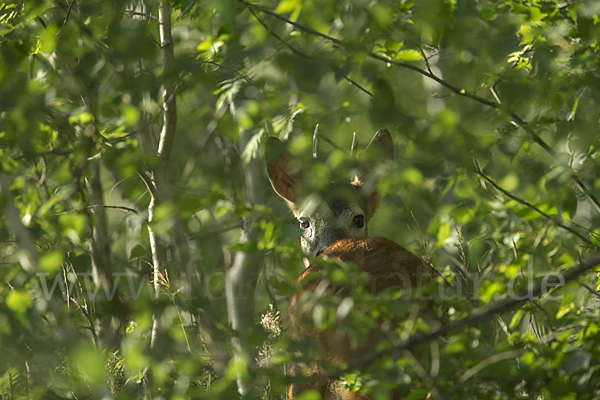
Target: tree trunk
(243, 274)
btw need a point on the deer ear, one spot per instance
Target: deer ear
(283, 169)
(381, 148)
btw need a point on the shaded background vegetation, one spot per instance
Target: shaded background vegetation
(494, 109)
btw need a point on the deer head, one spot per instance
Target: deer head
(341, 210)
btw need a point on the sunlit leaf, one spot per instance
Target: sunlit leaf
(409, 55)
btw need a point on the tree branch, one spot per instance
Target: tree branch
(353, 83)
(169, 102)
(92, 206)
(544, 7)
(507, 355)
(242, 277)
(289, 46)
(276, 36)
(480, 315)
(424, 375)
(516, 120)
(525, 203)
(99, 226)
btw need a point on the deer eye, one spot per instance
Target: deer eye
(359, 221)
(304, 223)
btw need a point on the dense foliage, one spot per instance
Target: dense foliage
(494, 109)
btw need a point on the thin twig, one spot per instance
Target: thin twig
(516, 120)
(476, 317)
(131, 210)
(241, 75)
(426, 60)
(276, 36)
(525, 203)
(534, 326)
(424, 375)
(295, 50)
(141, 14)
(84, 310)
(352, 82)
(288, 21)
(69, 12)
(167, 133)
(493, 90)
(544, 7)
(203, 142)
(210, 232)
(507, 355)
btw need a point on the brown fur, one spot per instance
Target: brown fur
(330, 211)
(329, 230)
(389, 266)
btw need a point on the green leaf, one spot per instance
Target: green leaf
(412, 175)
(509, 182)
(287, 6)
(564, 310)
(393, 46)
(131, 114)
(489, 291)
(19, 301)
(516, 319)
(417, 394)
(444, 232)
(51, 262)
(524, 212)
(409, 55)
(251, 150)
(310, 394)
(352, 382)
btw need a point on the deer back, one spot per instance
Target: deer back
(388, 266)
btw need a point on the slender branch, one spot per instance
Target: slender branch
(217, 230)
(544, 7)
(585, 190)
(169, 102)
(69, 11)
(288, 21)
(41, 21)
(507, 355)
(131, 210)
(51, 151)
(242, 276)
(276, 36)
(478, 316)
(84, 310)
(516, 120)
(140, 14)
(238, 73)
(39, 246)
(350, 81)
(295, 50)
(424, 375)
(525, 203)
(29, 260)
(203, 142)
(425, 59)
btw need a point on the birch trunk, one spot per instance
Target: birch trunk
(243, 274)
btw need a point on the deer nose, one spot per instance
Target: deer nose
(334, 236)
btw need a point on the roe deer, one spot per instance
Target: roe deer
(341, 211)
(335, 224)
